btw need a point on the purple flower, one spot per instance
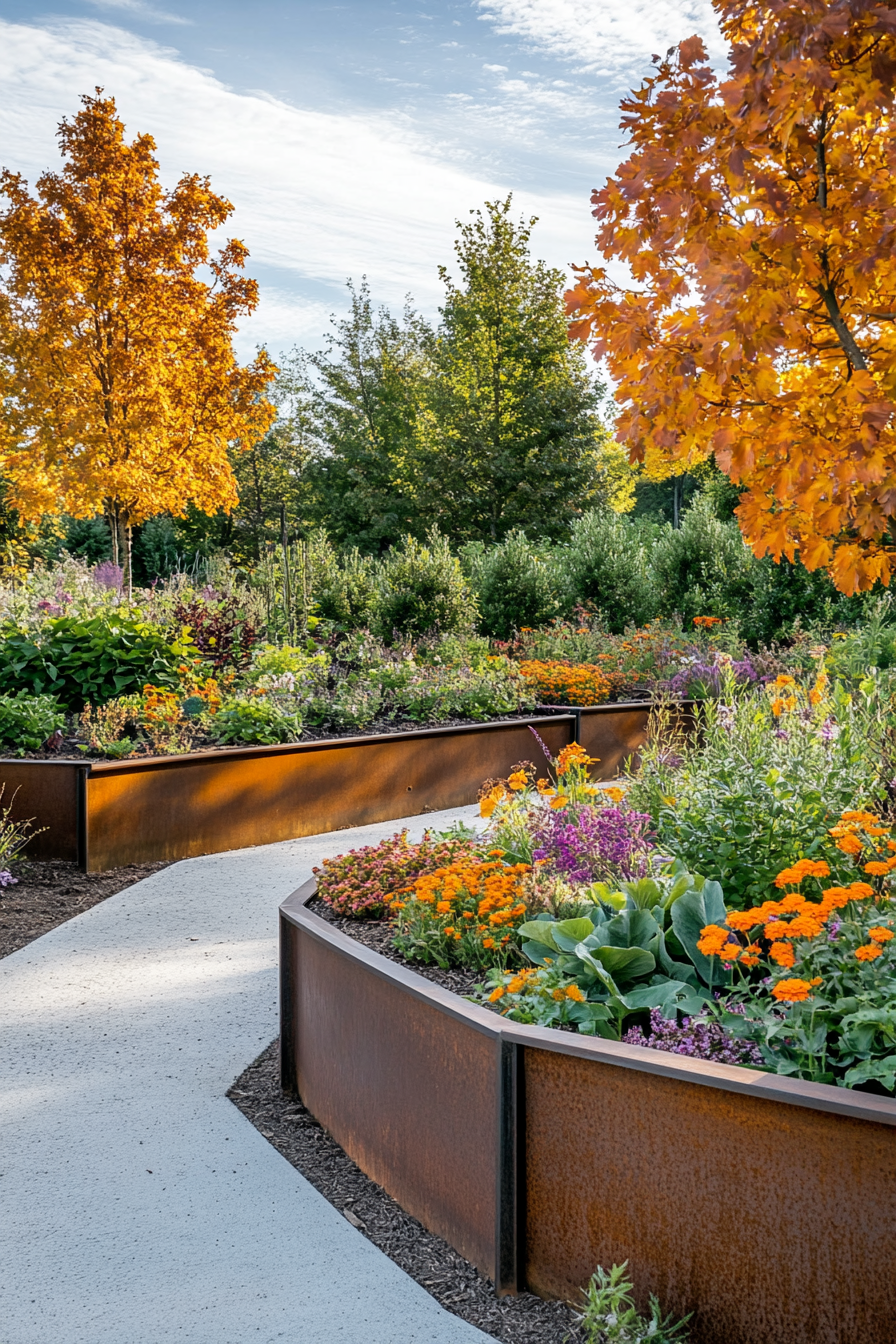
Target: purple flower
(588, 843)
(782, 734)
(705, 678)
(833, 930)
(49, 608)
(108, 575)
(695, 1039)
(7, 879)
(828, 730)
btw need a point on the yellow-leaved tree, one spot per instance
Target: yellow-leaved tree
(120, 388)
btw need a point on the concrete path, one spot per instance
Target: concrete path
(137, 1205)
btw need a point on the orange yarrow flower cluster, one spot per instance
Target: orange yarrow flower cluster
(558, 683)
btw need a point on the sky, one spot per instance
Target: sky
(350, 137)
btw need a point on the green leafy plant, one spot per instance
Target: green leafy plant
(93, 660)
(26, 721)
(259, 720)
(609, 1314)
(764, 775)
(623, 952)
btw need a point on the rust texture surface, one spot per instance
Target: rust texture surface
(775, 1222)
(613, 736)
(180, 807)
(48, 792)
(411, 1093)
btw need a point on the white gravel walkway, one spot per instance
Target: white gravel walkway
(137, 1205)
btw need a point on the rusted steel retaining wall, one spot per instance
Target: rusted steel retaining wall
(764, 1205)
(108, 813)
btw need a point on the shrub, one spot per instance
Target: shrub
(93, 660)
(359, 884)
(346, 592)
(561, 684)
(609, 1314)
(422, 591)
(516, 584)
(703, 567)
(255, 719)
(26, 721)
(608, 564)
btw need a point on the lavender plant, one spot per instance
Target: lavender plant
(695, 1038)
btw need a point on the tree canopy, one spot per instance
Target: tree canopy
(757, 217)
(120, 388)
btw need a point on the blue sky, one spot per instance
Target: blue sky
(350, 136)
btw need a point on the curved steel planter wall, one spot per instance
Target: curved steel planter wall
(108, 813)
(765, 1205)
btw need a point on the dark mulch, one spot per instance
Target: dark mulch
(50, 891)
(436, 1266)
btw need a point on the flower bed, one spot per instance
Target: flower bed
(539, 1154)
(570, 915)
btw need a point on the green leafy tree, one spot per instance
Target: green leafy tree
(356, 412)
(514, 409)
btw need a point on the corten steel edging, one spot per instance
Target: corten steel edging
(49, 793)
(407, 1149)
(727, 1197)
(108, 813)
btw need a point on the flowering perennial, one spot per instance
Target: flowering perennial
(462, 914)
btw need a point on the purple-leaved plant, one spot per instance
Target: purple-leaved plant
(696, 1039)
(591, 843)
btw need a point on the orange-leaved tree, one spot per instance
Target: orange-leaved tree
(120, 388)
(756, 218)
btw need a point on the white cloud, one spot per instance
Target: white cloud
(140, 10)
(319, 197)
(598, 34)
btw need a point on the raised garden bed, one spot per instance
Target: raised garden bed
(104, 814)
(765, 1205)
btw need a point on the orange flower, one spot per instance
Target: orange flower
(573, 992)
(517, 781)
(558, 801)
(783, 954)
(750, 955)
(880, 935)
(868, 952)
(876, 869)
(544, 786)
(615, 795)
(792, 991)
(496, 994)
(849, 844)
(741, 920)
(801, 869)
(731, 952)
(776, 928)
(804, 926)
(712, 939)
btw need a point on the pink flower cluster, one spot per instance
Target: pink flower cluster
(357, 885)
